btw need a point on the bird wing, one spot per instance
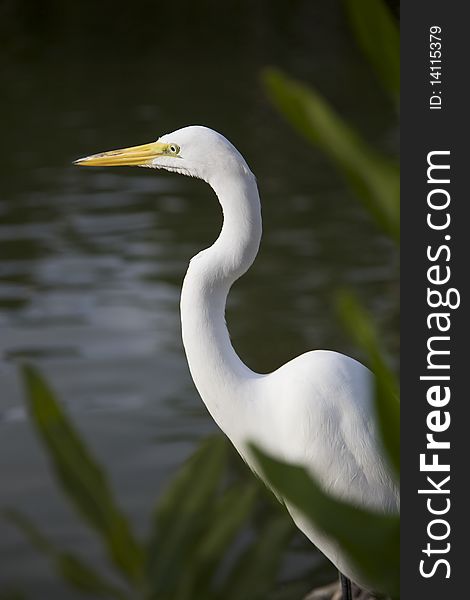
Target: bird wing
(328, 425)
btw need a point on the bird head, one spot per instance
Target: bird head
(195, 151)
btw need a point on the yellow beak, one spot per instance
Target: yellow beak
(136, 155)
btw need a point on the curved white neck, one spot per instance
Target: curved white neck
(217, 371)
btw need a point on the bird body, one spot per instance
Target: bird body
(316, 410)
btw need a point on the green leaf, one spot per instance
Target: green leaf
(256, 571)
(73, 570)
(377, 33)
(370, 539)
(81, 478)
(231, 510)
(183, 514)
(374, 178)
(387, 404)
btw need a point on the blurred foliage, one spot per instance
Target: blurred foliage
(370, 539)
(372, 176)
(377, 34)
(196, 525)
(82, 479)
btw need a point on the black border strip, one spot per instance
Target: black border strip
(425, 130)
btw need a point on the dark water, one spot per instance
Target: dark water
(91, 261)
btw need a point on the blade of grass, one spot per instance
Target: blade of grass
(183, 513)
(231, 510)
(72, 569)
(377, 33)
(374, 178)
(255, 573)
(81, 478)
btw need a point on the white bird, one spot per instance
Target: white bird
(317, 409)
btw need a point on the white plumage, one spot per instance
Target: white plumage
(316, 410)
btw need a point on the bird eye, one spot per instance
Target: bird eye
(174, 149)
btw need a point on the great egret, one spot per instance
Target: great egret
(317, 409)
